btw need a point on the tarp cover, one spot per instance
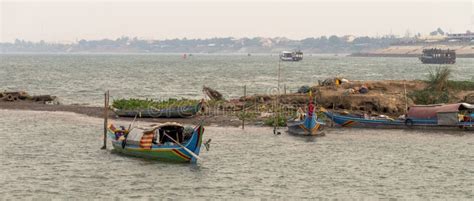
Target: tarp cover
(431, 111)
(448, 118)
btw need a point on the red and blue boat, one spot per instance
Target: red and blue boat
(170, 142)
(310, 125)
(459, 115)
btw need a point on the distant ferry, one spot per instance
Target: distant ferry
(291, 56)
(438, 56)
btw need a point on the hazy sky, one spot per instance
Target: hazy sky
(68, 21)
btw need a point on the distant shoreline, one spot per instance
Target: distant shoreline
(356, 54)
(401, 55)
(462, 50)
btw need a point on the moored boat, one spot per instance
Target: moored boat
(310, 125)
(165, 142)
(438, 56)
(291, 56)
(172, 112)
(457, 115)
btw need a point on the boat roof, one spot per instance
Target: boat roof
(286, 52)
(431, 111)
(160, 125)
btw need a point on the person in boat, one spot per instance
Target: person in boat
(118, 132)
(311, 106)
(300, 114)
(311, 109)
(468, 117)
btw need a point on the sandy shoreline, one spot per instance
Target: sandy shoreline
(98, 112)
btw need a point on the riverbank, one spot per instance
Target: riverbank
(92, 111)
(388, 97)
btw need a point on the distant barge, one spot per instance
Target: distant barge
(438, 56)
(291, 56)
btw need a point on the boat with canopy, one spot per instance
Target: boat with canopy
(165, 142)
(458, 115)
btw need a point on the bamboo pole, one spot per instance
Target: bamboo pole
(106, 117)
(278, 99)
(243, 108)
(406, 99)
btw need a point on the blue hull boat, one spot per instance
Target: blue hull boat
(420, 116)
(310, 125)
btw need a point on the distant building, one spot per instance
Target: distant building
(431, 38)
(468, 36)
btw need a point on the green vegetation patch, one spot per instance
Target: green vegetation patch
(461, 85)
(428, 97)
(440, 89)
(281, 121)
(134, 103)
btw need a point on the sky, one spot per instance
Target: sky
(68, 21)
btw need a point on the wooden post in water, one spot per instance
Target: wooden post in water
(278, 98)
(333, 112)
(406, 99)
(106, 117)
(243, 108)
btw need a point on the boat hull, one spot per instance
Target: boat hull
(349, 121)
(309, 126)
(297, 128)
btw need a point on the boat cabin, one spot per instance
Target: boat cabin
(444, 115)
(160, 134)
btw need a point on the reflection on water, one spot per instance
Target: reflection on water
(57, 155)
(84, 78)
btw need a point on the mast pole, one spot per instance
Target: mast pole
(406, 99)
(278, 97)
(106, 116)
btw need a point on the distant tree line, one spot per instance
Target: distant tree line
(323, 44)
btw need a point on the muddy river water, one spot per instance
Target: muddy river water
(57, 155)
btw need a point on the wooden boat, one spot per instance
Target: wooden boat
(438, 56)
(309, 125)
(173, 112)
(164, 142)
(418, 116)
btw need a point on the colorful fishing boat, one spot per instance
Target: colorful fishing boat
(172, 112)
(165, 142)
(457, 115)
(310, 125)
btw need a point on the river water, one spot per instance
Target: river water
(57, 155)
(83, 78)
